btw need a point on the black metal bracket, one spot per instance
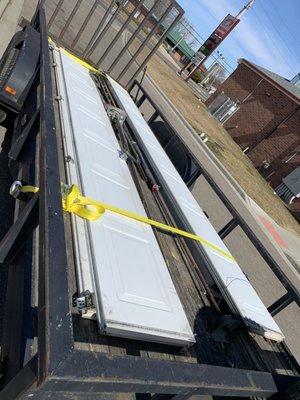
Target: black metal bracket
(237, 218)
(14, 88)
(20, 231)
(25, 136)
(281, 304)
(228, 228)
(23, 380)
(60, 370)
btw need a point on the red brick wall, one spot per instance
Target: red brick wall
(268, 122)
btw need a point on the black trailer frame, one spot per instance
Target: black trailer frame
(58, 369)
(141, 95)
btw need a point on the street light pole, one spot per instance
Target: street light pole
(238, 17)
(245, 9)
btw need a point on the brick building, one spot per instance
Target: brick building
(267, 122)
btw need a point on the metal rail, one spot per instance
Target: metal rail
(90, 40)
(293, 293)
(60, 370)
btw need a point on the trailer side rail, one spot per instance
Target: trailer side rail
(51, 365)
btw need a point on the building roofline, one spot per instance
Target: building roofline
(269, 79)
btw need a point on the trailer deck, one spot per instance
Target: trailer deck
(49, 349)
(237, 349)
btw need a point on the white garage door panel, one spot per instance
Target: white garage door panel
(135, 293)
(229, 276)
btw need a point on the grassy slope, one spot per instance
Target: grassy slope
(228, 152)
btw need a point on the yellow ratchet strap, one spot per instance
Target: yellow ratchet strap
(29, 189)
(74, 202)
(75, 58)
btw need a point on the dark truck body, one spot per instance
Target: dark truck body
(47, 350)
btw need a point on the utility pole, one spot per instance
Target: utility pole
(245, 9)
(217, 37)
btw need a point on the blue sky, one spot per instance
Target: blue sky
(268, 35)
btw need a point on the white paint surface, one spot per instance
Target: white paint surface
(121, 260)
(233, 283)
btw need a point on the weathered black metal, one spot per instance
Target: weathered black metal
(14, 89)
(20, 232)
(30, 130)
(25, 378)
(63, 372)
(189, 183)
(281, 304)
(135, 56)
(228, 228)
(171, 396)
(141, 100)
(238, 219)
(55, 334)
(103, 373)
(153, 117)
(17, 333)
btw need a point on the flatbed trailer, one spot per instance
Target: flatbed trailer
(48, 349)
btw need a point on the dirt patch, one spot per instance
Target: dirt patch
(220, 142)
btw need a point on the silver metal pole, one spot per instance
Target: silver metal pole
(195, 69)
(134, 35)
(178, 43)
(55, 12)
(67, 24)
(85, 22)
(90, 47)
(119, 33)
(162, 38)
(145, 42)
(186, 66)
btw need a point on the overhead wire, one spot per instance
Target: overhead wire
(283, 22)
(276, 30)
(283, 40)
(274, 43)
